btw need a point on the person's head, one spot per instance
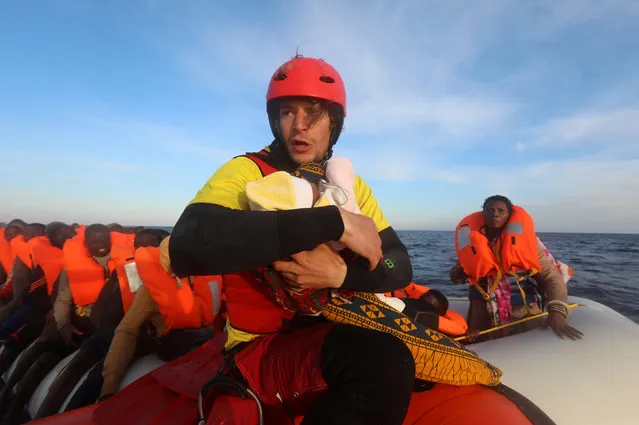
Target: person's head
(58, 233)
(497, 210)
(75, 226)
(17, 222)
(12, 230)
(34, 230)
(145, 238)
(115, 227)
(138, 229)
(97, 239)
(437, 299)
(306, 106)
(161, 233)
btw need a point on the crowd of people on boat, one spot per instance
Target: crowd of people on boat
(284, 253)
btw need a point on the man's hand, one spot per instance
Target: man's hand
(361, 236)
(457, 274)
(318, 268)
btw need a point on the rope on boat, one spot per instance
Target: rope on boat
(516, 322)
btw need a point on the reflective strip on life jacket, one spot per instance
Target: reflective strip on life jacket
(185, 303)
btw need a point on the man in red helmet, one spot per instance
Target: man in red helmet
(331, 373)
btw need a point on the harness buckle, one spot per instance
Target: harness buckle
(224, 381)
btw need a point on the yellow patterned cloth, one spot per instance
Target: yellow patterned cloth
(438, 358)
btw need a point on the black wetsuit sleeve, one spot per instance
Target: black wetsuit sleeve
(393, 272)
(211, 239)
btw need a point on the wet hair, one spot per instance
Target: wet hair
(500, 198)
(145, 233)
(441, 300)
(39, 228)
(95, 228)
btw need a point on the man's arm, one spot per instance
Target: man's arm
(63, 302)
(393, 272)
(124, 342)
(211, 239)
(217, 234)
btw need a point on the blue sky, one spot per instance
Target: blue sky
(121, 110)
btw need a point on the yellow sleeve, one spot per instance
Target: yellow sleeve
(368, 204)
(227, 187)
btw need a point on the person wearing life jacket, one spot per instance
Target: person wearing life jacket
(430, 307)
(21, 270)
(502, 258)
(93, 293)
(26, 324)
(106, 254)
(182, 313)
(217, 234)
(89, 390)
(13, 229)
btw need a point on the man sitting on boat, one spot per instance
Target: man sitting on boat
(306, 105)
(180, 312)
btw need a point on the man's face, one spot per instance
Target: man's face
(305, 127)
(61, 236)
(98, 243)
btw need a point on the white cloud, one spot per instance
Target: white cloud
(608, 129)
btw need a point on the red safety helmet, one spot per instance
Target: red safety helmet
(307, 77)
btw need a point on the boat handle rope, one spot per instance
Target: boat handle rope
(516, 322)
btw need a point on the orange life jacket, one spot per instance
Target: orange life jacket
(451, 323)
(49, 258)
(251, 308)
(87, 278)
(22, 250)
(412, 290)
(518, 243)
(183, 305)
(7, 257)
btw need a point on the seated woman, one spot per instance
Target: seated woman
(511, 273)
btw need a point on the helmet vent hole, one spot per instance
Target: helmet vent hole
(327, 79)
(281, 76)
